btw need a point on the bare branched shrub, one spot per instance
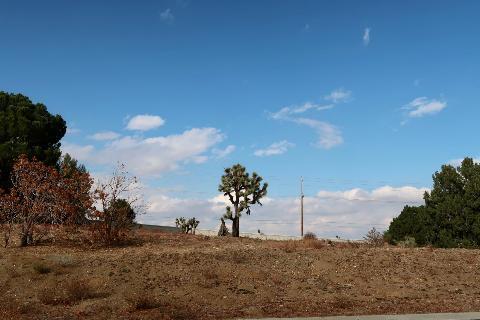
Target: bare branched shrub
(374, 238)
(116, 198)
(309, 236)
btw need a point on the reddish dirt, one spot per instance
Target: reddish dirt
(174, 276)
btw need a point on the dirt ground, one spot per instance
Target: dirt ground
(175, 276)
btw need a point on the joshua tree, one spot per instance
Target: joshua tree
(243, 191)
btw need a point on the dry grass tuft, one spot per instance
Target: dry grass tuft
(70, 293)
(41, 268)
(142, 301)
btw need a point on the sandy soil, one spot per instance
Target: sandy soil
(173, 276)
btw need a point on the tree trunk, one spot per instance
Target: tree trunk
(236, 227)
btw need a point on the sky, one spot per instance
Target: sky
(363, 99)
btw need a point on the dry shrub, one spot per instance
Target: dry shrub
(78, 290)
(374, 238)
(313, 243)
(342, 303)
(41, 268)
(142, 301)
(70, 293)
(211, 277)
(290, 246)
(239, 257)
(309, 236)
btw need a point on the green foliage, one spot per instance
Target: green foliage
(27, 128)
(451, 214)
(243, 190)
(123, 210)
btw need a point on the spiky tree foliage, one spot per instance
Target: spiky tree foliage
(243, 191)
(187, 226)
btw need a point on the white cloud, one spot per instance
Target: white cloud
(81, 153)
(145, 122)
(105, 135)
(366, 37)
(423, 106)
(71, 131)
(349, 213)
(151, 156)
(285, 112)
(222, 153)
(276, 148)
(458, 162)
(339, 95)
(329, 135)
(167, 16)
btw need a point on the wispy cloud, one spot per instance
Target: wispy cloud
(306, 27)
(274, 149)
(422, 106)
(293, 110)
(145, 122)
(329, 135)
(167, 16)
(339, 95)
(366, 37)
(104, 136)
(222, 153)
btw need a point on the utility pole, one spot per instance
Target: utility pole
(301, 206)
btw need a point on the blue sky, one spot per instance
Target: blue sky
(379, 95)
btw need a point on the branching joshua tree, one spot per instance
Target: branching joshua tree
(187, 226)
(243, 191)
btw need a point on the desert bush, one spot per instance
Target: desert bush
(211, 277)
(41, 268)
(309, 236)
(408, 242)
(374, 238)
(117, 197)
(77, 290)
(68, 293)
(142, 301)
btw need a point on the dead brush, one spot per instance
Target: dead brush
(142, 301)
(41, 268)
(70, 293)
(211, 278)
(239, 257)
(78, 290)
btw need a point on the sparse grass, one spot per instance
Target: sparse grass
(70, 293)
(41, 268)
(80, 290)
(212, 279)
(239, 257)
